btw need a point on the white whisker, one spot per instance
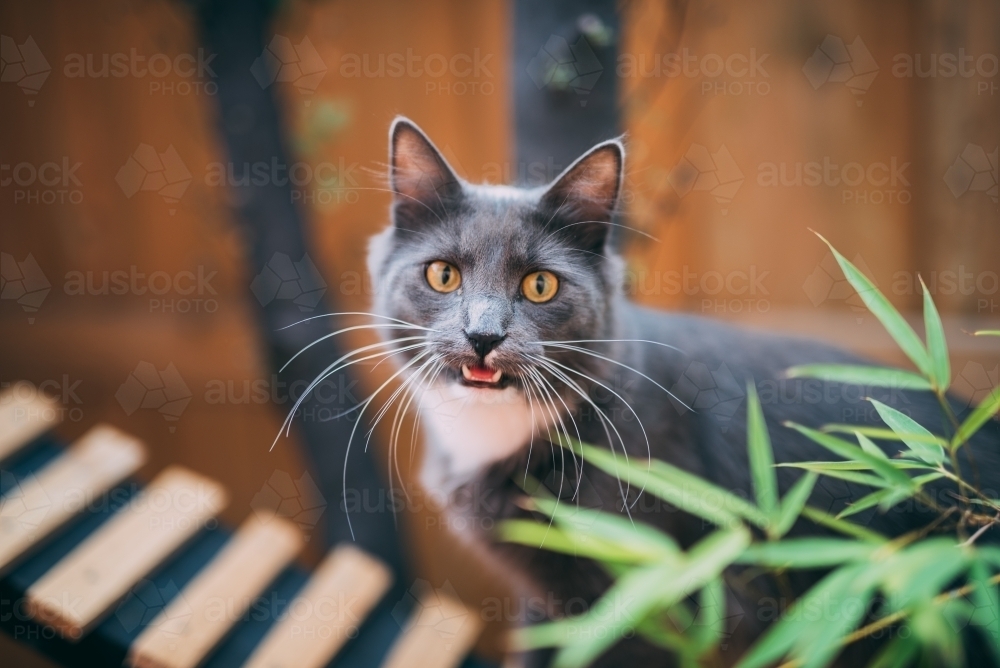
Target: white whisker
(655, 343)
(341, 331)
(649, 453)
(374, 315)
(549, 408)
(354, 429)
(604, 222)
(337, 366)
(605, 420)
(577, 464)
(558, 423)
(623, 365)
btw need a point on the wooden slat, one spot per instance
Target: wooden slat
(80, 589)
(327, 613)
(100, 459)
(217, 598)
(25, 412)
(439, 635)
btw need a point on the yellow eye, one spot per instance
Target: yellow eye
(443, 277)
(540, 286)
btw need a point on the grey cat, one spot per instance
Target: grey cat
(511, 321)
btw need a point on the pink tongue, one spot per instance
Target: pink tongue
(480, 373)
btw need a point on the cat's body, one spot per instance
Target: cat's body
(670, 387)
(710, 442)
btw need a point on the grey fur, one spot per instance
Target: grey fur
(495, 235)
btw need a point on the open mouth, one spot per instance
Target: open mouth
(481, 375)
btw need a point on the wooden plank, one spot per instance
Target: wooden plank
(42, 503)
(327, 613)
(25, 413)
(217, 598)
(440, 635)
(77, 592)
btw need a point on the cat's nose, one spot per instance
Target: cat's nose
(484, 342)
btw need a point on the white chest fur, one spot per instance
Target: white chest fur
(467, 428)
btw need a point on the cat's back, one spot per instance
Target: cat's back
(709, 372)
(705, 340)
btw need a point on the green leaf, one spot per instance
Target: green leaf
(636, 594)
(936, 631)
(792, 504)
(897, 653)
(849, 473)
(819, 644)
(807, 553)
(881, 308)
(711, 621)
(882, 433)
(848, 465)
(536, 534)
(629, 599)
(989, 553)
(869, 446)
(654, 629)
(866, 376)
(784, 635)
(904, 424)
(847, 528)
(637, 537)
(987, 332)
(937, 347)
(765, 482)
(986, 600)
(684, 490)
(978, 418)
(922, 571)
(850, 451)
(884, 498)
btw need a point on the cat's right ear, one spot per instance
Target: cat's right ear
(423, 184)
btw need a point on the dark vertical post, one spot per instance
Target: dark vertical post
(236, 31)
(565, 85)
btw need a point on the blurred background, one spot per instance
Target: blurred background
(150, 150)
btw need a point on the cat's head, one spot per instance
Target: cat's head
(489, 274)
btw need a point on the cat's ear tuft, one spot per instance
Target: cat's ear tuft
(422, 183)
(583, 198)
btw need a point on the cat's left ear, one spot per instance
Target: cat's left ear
(582, 200)
(423, 184)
